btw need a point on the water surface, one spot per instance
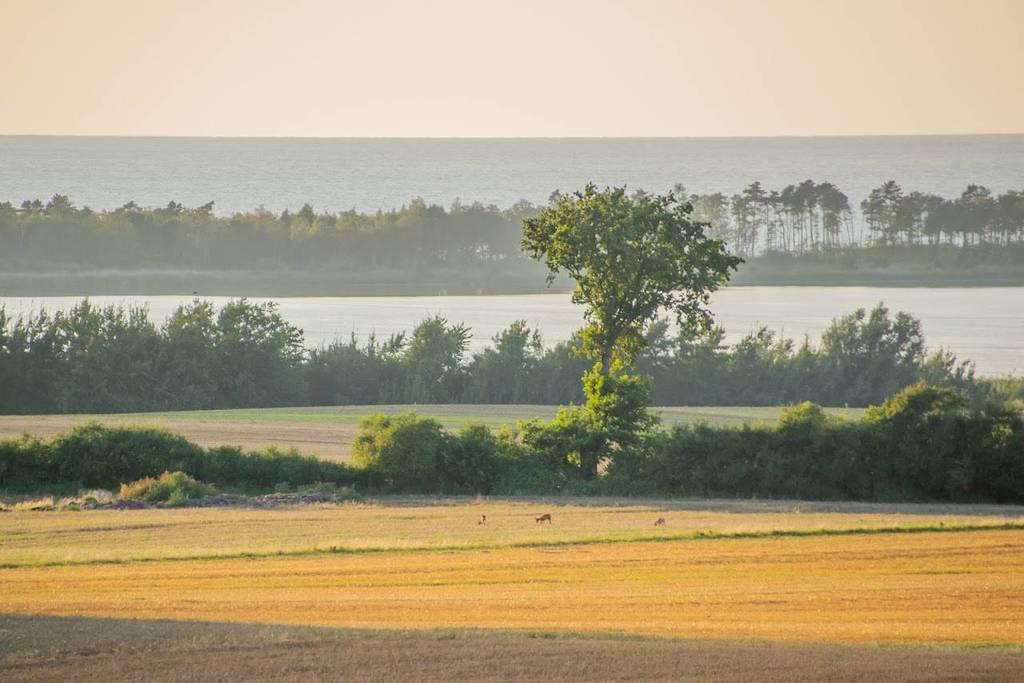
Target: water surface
(985, 324)
(239, 174)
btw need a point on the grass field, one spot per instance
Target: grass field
(28, 539)
(727, 590)
(328, 432)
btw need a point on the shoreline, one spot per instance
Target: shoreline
(330, 283)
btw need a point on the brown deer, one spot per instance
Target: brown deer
(659, 522)
(543, 518)
(482, 520)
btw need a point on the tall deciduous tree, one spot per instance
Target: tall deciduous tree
(631, 257)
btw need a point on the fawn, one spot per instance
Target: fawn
(659, 522)
(543, 518)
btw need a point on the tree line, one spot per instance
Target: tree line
(130, 237)
(818, 217)
(922, 444)
(631, 258)
(115, 359)
(799, 219)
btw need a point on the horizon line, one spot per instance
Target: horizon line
(509, 137)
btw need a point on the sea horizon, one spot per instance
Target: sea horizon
(380, 174)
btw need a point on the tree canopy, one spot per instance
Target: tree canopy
(631, 257)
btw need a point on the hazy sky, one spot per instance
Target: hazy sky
(511, 67)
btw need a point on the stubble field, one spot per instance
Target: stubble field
(788, 589)
(961, 588)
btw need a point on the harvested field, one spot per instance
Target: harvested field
(82, 649)
(328, 432)
(954, 588)
(394, 524)
(328, 441)
(415, 589)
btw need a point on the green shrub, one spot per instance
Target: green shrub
(96, 456)
(915, 404)
(530, 477)
(23, 464)
(617, 404)
(230, 466)
(174, 488)
(471, 461)
(571, 442)
(806, 415)
(405, 452)
(613, 423)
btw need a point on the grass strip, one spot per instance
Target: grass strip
(688, 537)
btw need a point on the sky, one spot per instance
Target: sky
(522, 68)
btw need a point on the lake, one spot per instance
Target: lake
(984, 324)
(370, 174)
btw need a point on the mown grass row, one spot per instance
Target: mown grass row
(703, 535)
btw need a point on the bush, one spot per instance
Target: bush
(404, 452)
(410, 453)
(571, 442)
(96, 456)
(263, 470)
(174, 488)
(23, 464)
(471, 461)
(922, 444)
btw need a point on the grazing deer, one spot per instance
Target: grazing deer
(659, 522)
(482, 520)
(543, 518)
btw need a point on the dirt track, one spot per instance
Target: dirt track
(329, 441)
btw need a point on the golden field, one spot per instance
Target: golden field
(961, 588)
(415, 588)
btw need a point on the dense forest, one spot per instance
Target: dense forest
(96, 360)
(807, 219)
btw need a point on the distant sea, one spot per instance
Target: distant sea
(370, 174)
